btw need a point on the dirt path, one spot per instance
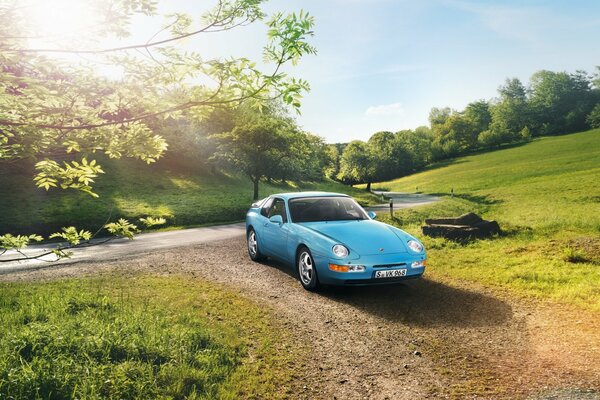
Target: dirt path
(423, 339)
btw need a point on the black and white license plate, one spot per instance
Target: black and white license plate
(393, 273)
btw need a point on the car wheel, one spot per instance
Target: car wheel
(253, 249)
(307, 270)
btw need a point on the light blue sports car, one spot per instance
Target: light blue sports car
(331, 240)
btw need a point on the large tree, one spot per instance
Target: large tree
(57, 110)
(53, 109)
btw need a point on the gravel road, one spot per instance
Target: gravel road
(431, 338)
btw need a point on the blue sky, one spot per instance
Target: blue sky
(382, 64)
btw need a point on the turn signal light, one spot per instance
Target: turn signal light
(347, 268)
(338, 268)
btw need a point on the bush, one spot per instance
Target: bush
(525, 134)
(593, 118)
(491, 138)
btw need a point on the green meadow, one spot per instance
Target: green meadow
(546, 197)
(138, 337)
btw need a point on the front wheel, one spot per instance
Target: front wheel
(253, 249)
(307, 270)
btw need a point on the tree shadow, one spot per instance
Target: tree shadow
(425, 303)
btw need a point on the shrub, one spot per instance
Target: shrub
(593, 118)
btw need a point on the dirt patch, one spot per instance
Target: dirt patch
(421, 339)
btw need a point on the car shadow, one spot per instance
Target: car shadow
(425, 303)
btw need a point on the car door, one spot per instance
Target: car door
(259, 228)
(275, 235)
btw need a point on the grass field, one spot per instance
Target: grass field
(546, 197)
(132, 190)
(140, 337)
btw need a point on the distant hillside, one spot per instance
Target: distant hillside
(552, 182)
(546, 197)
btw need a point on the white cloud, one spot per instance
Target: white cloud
(386, 110)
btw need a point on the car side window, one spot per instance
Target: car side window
(265, 208)
(278, 208)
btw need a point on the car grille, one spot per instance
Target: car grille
(390, 265)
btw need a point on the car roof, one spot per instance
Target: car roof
(296, 195)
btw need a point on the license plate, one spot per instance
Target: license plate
(394, 273)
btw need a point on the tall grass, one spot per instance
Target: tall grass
(140, 337)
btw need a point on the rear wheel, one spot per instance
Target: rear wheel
(253, 249)
(307, 270)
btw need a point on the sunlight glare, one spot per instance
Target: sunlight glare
(59, 21)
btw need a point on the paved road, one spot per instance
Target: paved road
(121, 248)
(403, 200)
(148, 242)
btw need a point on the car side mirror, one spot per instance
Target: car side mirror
(371, 214)
(276, 219)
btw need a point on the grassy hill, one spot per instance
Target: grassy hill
(131, 189)
(546, 197)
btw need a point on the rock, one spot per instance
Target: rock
(467, 226)
(465, 219)
(417, 353)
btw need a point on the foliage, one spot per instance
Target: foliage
(122, 228)
(58, 108)
(72, 236)
(10, 242)
(146, 337)
(593, 118)
(358, 163)
(269, 146)
(515, 186)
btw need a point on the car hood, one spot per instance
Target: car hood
(365, 237)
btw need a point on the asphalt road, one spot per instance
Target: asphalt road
(125, 248)
(149, 242)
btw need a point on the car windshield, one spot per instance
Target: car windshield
(313, 209)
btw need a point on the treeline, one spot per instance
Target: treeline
(552, 103)
(269, 145)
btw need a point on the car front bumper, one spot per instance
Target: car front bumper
(373, 263)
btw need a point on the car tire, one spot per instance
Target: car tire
(306, 269)
(252, 242)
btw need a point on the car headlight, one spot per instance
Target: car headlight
(340, 251)
(415, 246)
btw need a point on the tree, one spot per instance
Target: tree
(358, 164)
(259, 146)
(58, 113)
(509, 115)
(332, 164)
(59, 109)
(593, 118)
(385, 149)
(560, 101)
(513, 90)
(478, 113)
(417, 143)
(438, 116)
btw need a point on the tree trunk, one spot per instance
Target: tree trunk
(255, 181)
(368, 186)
